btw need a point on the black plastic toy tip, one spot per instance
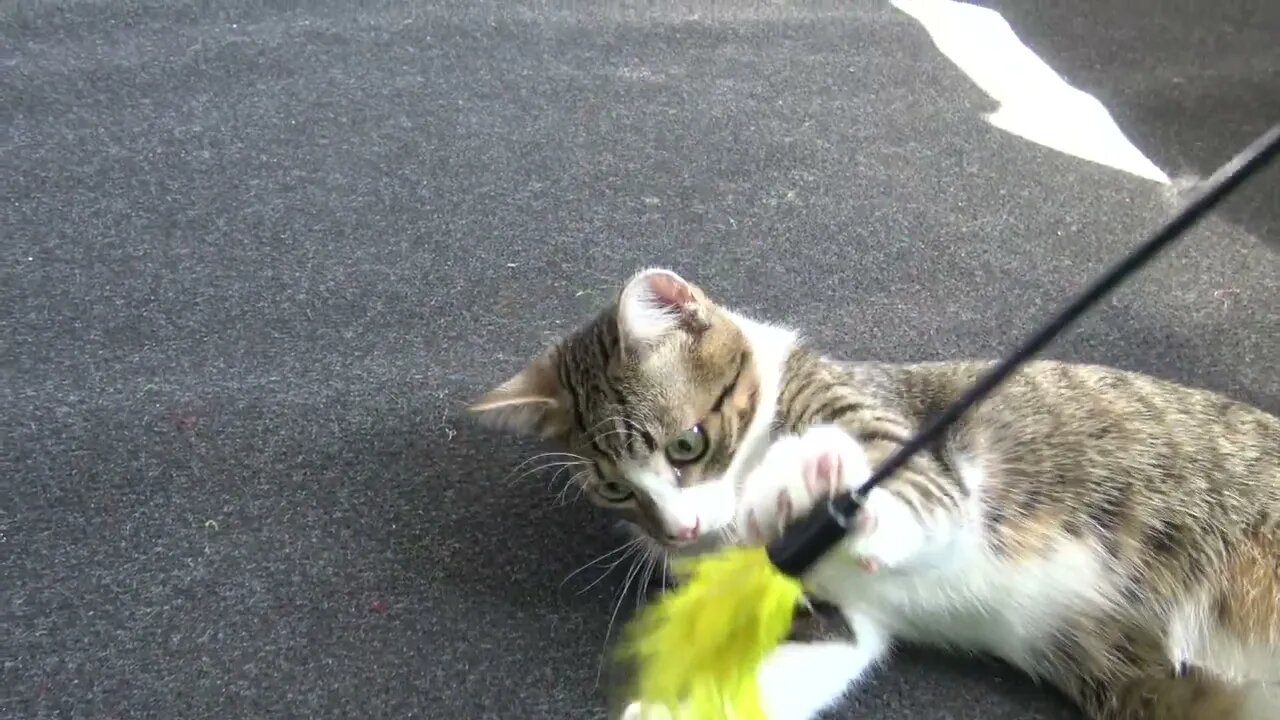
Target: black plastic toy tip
(805, 542)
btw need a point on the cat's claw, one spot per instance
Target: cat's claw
(796, 473)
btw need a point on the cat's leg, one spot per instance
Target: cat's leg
(799, 680)
(896, 524)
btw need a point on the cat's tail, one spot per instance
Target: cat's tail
(1243, 613)
(1248, 591)
(1193, 695)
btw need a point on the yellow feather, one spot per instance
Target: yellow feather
(697, 649)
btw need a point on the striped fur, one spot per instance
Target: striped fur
(1111, 533)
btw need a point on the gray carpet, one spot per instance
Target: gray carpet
(257, 257)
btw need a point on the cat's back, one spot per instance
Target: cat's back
(1164, 497)
(1076, 420)
(1085, 502)
(1117, 446)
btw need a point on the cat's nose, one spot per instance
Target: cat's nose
(688, 532)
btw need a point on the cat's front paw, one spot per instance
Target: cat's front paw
(796, 473)
(800, 471)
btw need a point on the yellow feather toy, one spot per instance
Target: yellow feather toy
(698, 648)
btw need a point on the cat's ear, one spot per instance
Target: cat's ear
(528, 403)
(657, 303)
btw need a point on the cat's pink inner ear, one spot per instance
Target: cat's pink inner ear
(670, 290)
(657, 303)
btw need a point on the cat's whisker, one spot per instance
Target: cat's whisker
(616, 431)
(601, 558)
(627, 425)
(539, 456)
(648, 579)
(646, 569)
(561, 500)
(579, 474)
(634, 424)
(609, 569)
(545, 466)
(556, 475)
(626, 585)
(611, 418)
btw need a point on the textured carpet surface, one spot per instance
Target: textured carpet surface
(256, 257)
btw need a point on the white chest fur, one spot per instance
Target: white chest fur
(961, 596)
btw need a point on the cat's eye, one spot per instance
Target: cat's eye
(614, 492)
(687, 447)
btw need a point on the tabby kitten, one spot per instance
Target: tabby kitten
(1111, 533)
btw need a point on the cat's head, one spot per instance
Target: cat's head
(655, 394)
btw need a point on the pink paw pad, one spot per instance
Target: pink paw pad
(822, 474)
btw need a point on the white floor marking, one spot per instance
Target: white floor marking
(1035, 102)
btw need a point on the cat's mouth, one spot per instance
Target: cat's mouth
(705, 542)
